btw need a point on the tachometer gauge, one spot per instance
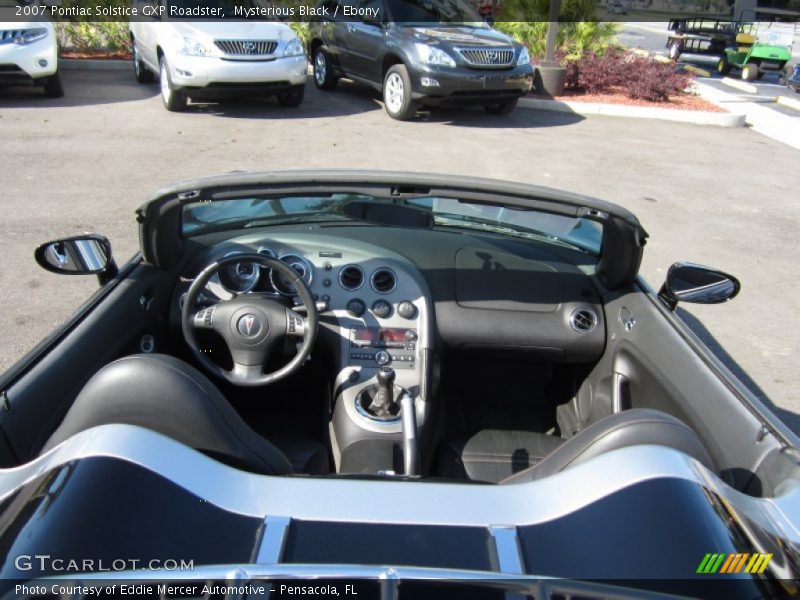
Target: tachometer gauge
(240, 277)
(303, 268)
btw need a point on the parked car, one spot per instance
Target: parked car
(29, 53)
(211, 60)
(617, 8)
(791, 75)
(433, 53)
(417, 380)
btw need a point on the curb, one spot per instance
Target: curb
(740, 85)
(80, 64)
(790, 102)
(696, 117)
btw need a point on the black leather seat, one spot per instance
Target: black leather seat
(169, 396)
(518, 456)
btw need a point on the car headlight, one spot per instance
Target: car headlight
(524, 57)
(431, 55)
(28, 36)
(192, 47)
(294, 48)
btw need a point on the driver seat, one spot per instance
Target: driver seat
(166, 395)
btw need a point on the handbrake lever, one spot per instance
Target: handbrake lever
(410, 444)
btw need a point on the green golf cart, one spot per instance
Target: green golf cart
(757, 49)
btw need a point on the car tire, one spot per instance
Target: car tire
(397, 98)
(173, 100)
(140, 71)
(723, 66)
(675, 50)
(750, 72)
(324, 77)
(53, 88)
(293, 98)
(501, 108)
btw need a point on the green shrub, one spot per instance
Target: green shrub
(578, 30)
(112, 36)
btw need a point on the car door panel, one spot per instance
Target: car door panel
(653, 361)
(102, 333)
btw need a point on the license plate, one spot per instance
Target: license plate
(494, 82)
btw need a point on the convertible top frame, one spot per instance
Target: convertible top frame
(623, 236)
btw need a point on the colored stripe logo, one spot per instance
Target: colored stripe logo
(734, 563)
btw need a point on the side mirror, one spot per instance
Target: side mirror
(687, 282)
(80, 255)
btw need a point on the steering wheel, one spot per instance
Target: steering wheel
(251, 325)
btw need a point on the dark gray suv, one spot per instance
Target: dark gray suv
(438, 52)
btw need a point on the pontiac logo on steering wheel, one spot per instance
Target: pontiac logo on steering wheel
(249, 325)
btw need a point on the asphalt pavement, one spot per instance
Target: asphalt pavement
(723, 197)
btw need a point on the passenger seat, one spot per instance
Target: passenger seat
(516, 456)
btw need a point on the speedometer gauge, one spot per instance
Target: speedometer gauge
(301, 266)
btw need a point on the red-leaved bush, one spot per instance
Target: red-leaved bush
(635, 76)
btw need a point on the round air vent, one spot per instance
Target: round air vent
(383, 281)
(583, 320)
(351, 277)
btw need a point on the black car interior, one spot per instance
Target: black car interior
(488, 357)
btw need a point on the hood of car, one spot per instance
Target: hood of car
(457, 35)
(215, 30)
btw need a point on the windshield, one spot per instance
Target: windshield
(241, 213)
(436, 11)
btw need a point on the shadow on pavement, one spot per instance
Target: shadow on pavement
(81, 88)
(791, 419)
(458, 116)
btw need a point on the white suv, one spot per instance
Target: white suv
(212, 60)
(29, 54)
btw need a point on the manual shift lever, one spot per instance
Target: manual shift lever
(383, 399)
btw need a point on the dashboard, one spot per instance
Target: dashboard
(463, 290)
(377, 303)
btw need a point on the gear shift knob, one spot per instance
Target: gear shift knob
(383, 400)
(386, 377)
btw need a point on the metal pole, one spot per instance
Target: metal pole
(552, 30)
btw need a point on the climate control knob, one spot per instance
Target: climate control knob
(381, 309)
(356, 307)
(406, 309)
(382, 357)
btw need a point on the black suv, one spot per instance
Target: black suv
(431, 53)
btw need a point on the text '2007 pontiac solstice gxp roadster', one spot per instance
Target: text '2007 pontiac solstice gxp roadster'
(414, 383)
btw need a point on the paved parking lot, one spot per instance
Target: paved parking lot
(724, 197)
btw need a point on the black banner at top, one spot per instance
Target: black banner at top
(382, 12)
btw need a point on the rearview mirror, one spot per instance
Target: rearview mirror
(80, 255)
(687, 282)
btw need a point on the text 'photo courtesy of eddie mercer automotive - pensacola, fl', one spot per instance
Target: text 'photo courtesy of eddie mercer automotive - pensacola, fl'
(399, 299)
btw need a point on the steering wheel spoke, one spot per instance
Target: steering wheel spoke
(295, 324)
(204, 319)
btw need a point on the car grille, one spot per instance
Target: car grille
(246, 47)
(488, 57)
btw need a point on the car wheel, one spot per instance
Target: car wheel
(675, 50)
(53, 87)
(143, 75)
(173, 100)
(397, 94)
(324, 76)
(501, 108)
(750, 72)
(293, 98)
(723, 66)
